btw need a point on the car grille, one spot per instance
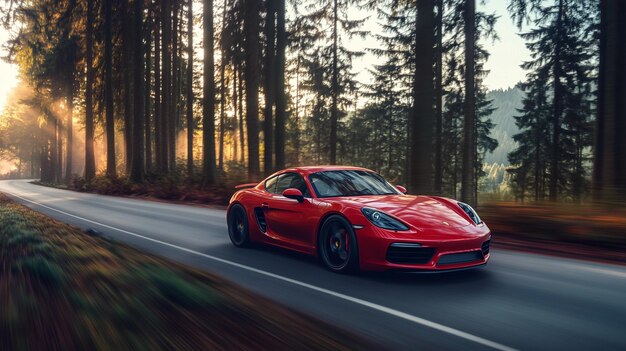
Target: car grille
(485, 247)
(462, 257)
(409, 254)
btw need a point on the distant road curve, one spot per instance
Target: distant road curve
(518, 301)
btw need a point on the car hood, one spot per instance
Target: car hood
(419, 211)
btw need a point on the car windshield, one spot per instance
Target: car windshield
(350, 183)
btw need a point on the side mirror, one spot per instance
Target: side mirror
(293, 193)
(401, 188)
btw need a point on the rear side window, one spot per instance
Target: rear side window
(270, 184)
(292, 180)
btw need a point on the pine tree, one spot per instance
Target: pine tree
(562, 45)
(457, 142)
(336, 59)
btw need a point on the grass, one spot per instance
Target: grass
(63, 289)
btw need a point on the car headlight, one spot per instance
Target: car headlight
(383, 220)
(470, 212)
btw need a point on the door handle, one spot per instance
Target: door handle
(265, 206)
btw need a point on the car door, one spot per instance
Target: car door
(287, 219)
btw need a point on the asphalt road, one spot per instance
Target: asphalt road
(518, 301)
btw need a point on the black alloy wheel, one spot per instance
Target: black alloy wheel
(337, 245)
(238, 226)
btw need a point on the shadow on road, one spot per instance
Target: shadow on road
(276, 256)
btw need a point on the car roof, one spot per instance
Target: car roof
(315, 169)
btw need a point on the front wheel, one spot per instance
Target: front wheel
(238, 226)
(337, 245)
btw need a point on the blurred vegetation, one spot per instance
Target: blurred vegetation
(590, 231)
(178, 185)
(62, 289)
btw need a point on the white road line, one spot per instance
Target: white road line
(374, 306)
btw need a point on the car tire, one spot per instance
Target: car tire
(238, 228)
(337, 245)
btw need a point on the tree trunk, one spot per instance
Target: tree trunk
(137, 166)
(334, 113)
(296, 137)
(224, 87)
(439, 100)
(175, 92)
(241, 130)
(90, 160)
(69, 149)
(235, 114)
(280, 95)
(423, 114)
(268, 86)
(609, 173)
(53, 175)
(252, 53)
(208, 102)
(158, 123)
(167, 84)
(147, 98)
(59, 151)
(469, 107)
(190, 125)
(557, 106)
(127, 67)
(108, 90)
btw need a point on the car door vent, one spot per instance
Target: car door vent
(260, 219)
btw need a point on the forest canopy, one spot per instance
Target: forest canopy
(206, 92)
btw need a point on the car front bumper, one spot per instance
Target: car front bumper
(431, 250)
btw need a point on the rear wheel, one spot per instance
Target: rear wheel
(238, 226)
(337, 245)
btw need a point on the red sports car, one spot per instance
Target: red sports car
(352, 218)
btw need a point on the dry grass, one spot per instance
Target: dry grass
(61, 289)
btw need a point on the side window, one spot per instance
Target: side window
(270, 184)
(292, 180)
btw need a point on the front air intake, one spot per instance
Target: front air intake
(485, 247)
(403, 253)
(463, 257)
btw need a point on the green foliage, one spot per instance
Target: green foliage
(325, 62)
(559, 97)
(48, 273)
(454, 96)
(170, 286)
(376, 135)
(21, 238)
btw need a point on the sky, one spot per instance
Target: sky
(504, 63)
(8, 72)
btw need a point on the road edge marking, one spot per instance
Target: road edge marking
(356, 300)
